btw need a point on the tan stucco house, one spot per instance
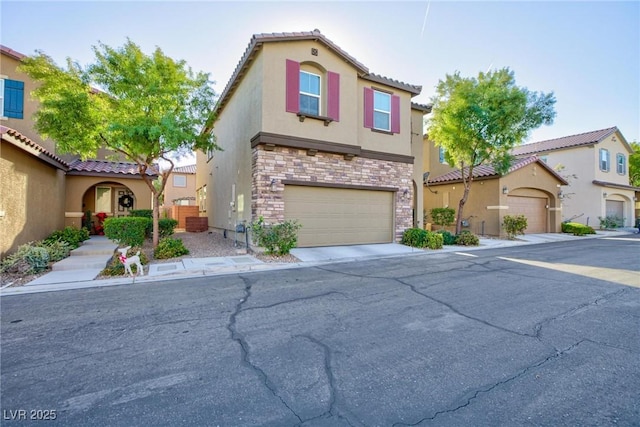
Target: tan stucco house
(309, 134)
(42, 190)
(180, 189)
(529, 187)
(596, 166)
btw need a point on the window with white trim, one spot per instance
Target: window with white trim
(381, 111)
(202, 198)
(441, 156)
(309, 93)
(11, 98)
(621, 164)
(179, 181)
(604, 160)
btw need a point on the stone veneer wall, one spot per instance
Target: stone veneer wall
(294, 164)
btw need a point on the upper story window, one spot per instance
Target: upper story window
(621, 164)
(179, 181)
(441, 157)
(605, 161)
(11, 98)
(381, 111)
(309, 93)
(312, 94)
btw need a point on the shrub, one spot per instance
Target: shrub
(448, 238)
(277, 239)
(434, 240)
(467, 238)
(577, 229)
(166, 226)
(169, 248)
(115, 267)
(611, 221)
(443, 217)
(86, 220)
(73, 236)
(514, 225)
(143, 213)
(27, 259)
(414, 237)
(127, 231)
(57, 249)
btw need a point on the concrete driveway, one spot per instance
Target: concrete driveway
(330, 253)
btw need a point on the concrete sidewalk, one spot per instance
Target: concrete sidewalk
(66, 279)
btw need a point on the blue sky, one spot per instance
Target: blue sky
(587, 53)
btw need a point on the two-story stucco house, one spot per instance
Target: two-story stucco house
(596, 164)
(42, 190)
(309, 134)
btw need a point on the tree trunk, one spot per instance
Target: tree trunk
(466, 182)
(156, 217)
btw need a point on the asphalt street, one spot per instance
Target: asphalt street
(538, 335)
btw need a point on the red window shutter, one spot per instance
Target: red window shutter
(293, 86)
(395, 114)
(333, 96)
(368, 107)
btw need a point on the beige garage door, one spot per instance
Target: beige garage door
(337, 216)
(534, 208)
(615, 208)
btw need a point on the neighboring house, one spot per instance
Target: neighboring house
(596, 166)
(529, 187)
(309, 134)
(180, 189)
(42, 190)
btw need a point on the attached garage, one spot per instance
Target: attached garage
(340, 216)
(615, 208)
(534, 209)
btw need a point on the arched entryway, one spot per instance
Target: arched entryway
(106, 199)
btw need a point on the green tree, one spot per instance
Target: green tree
(479, 120)
(143, 107)
(634, 164)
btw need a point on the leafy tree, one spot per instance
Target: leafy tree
(143, 107)
(634, 164)
(479, 120)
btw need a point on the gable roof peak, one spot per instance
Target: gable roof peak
(585, 138)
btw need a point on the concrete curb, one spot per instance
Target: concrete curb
(225, 268)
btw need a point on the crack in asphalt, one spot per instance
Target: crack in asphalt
(259, 307)
(491, 387)
(244, 346)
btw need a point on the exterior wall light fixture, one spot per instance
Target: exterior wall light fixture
(273, 186)
(505, 190)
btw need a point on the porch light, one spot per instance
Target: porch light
(273, 186)
(505, 190)
(604, 195)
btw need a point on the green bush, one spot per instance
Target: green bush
(127, 231)
(611, 221)
(443, 217)
(577, 229)
(414, 237)
(467, 238)
(514, 225)
(27, 259)
(166, 226)
(448, 238)
(277, 239)
(115, 267)
(434, 240)
(143, 213)
(170, 248)
(38, 258)
(57, 249)
(73, 236)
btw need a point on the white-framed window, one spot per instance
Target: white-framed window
(179, 181)
(11, 98)
(621, 164)
(310, 93)
(103, 199)
(381, 111)
(605, 160)
(202, 198)
(441, 157)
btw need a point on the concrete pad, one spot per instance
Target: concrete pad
(202, 263)
(66, 276)
(82, 263)
(165, 268)
(329, 253)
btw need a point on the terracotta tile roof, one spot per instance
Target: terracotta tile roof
(586, 138)
(107, 167)
(12, 53)
(258, 39)
(487, 171)
(426, 108)
(185, 169)
(36, 149)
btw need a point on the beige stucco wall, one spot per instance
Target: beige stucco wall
(31, 197)
(432, 160)
(349, 130)
(172, 192)
(417, 151)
